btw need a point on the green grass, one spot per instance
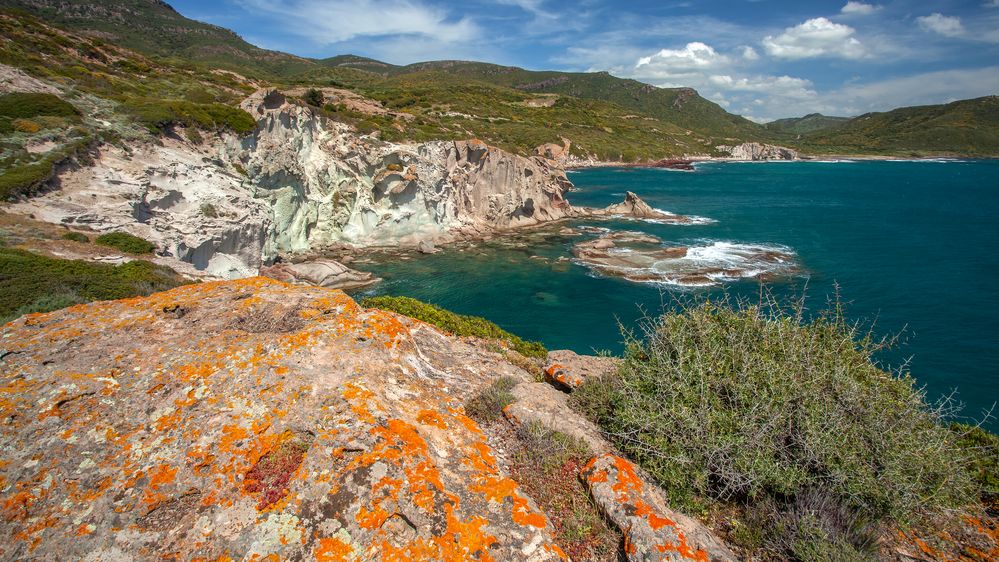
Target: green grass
(126, 243)
(726, 402)
(457, 324)
(33, 283)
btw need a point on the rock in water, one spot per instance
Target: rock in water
(266, 420)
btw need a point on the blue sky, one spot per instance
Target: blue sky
(764, 59)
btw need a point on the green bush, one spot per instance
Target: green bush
(27, 179)
(76, 237)
(488, 405)
(457, 324)
(753, 404)
(160, 115)
(314, 97)
(126, 243)
(21, 105)
(32, 283)
(983, 448)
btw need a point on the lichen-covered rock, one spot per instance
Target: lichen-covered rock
(246, 420)
(652, 532)
(568, 370)
(541, 403)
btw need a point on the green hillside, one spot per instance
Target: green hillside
(154, 28)
(961, 128)
(804, 125)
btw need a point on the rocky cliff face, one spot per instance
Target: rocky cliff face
(252, 420)
(755, 151)
(299, 183)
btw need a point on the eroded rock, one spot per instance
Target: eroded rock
(754, 151)
(653, 532)
(569, 370)
(542, 403)
(326, 273)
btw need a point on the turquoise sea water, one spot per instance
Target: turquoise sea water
(914, 246)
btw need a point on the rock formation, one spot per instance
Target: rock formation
(635, 207)
(253, 419)
(320, 273)
(755, 151)
(300, 182)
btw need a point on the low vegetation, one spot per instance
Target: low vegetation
(160, 115)
(457, 324)
(33, 283)
(126, 243)
(76, 237)
(793, 420)
(487, 406)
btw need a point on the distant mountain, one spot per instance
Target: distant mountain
(683, 107)
(967, 127)
(153, 27)
(808, 124)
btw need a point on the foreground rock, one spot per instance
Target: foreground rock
(643, 258)
(568, 370)
(541, 403)
(653, 533)
(754, 151)
(320, 273)
(247, 420)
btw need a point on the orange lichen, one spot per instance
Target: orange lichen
(332, 549)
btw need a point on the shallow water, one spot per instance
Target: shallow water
(914, 246)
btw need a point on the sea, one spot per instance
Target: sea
(910, 248)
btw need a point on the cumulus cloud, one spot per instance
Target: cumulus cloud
(694, 55)
(949, 26)
(816, 37)
(326, 22)
(859, 9)
(783, 86)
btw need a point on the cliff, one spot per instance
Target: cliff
(253, 419)
(754, 151)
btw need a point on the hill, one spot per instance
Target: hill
(961, 128)
(153, 27)
(808, 124)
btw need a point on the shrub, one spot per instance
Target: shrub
(26, 126)
(724, 401)
(20, 105)
(314, 97)
(457, 324)
(983, 449)
(488, 405)
(209, 210)
(160, 115)
(126, 243)
(33, 283)
(76, 237)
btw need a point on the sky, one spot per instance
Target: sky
(764, 59)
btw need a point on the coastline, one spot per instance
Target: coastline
(693, 160)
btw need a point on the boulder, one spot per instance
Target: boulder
(542, 403)
(652, 531)
(568, 370)
(251, 420)
(320, 273)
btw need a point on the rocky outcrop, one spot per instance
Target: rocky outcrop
(568, 370)
(643, 258)
(320, 273)
(247, 420)
(755, 151)
(635, 207)
(653, 532)
(541, 403)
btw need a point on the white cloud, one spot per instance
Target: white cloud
(326, 22)
(949, 26)
(782, 86)
(693, 56)
(860, 9)
(991, 4)
(816, 37)
(750, 53)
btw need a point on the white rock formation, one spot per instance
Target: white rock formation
(309, 183)
(755, 151)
